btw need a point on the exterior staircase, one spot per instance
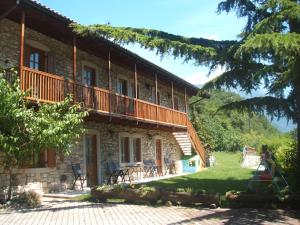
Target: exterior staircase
(184, 142)
(189, 139)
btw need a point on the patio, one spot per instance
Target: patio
(55, 211)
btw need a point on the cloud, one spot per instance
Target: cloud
(212, 37)
(200, 77)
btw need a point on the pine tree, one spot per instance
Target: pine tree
(266, 55)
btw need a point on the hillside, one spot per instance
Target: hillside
(229, 130)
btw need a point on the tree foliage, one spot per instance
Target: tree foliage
(26, 129)
(267, 55)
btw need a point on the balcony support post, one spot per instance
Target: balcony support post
(109, 86)
(185, 106)
(136, 92)
(156, 97)
(22, 37)
(74, 67)
(172, 91)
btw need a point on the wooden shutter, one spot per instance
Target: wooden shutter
(158, 98)
(26, 55)
(50, 62)
(126, 149)
(138, 150)
(42, 159)
(51, 158)
(176, 103)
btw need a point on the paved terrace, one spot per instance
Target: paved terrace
(62, 212)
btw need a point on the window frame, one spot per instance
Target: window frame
(90, 69)
(130, 137)
(130, 87)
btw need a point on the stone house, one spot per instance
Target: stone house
(139, 111)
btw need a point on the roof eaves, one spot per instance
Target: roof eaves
(45, 9)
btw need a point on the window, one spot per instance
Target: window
(122, 86)
(176, 103)
(35, 58)
(136, 149)
(125, 158)
(158, 98)
(132, 90)
(89, 76)
(130, 149)
(45, 158)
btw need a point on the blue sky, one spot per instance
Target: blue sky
(197, 18)
(191, 18)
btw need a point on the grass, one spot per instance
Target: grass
(226, 175)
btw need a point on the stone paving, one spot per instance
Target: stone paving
(63, 212)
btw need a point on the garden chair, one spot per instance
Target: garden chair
(170, 166)
(114, 172)
(78, 175)
(149, 169)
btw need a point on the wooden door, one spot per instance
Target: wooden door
(158, 149)
(91, 159)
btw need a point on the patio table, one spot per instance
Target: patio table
(135, 170)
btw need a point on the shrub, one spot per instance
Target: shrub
(28, 199)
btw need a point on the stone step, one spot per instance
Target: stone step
(184, 142)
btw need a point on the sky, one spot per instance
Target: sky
(190, 18)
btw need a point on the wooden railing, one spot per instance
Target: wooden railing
(195, 140)
(45, 87)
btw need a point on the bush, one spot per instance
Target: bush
(28, 199)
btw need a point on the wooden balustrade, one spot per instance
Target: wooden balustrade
(165, 115)
(146, 110)
(195, 139)
(45, 87)
(123, 105)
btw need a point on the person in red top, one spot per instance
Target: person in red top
(267, 156)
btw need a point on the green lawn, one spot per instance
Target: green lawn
(225, 176)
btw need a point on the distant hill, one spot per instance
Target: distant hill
(230, 130)
(281, 124)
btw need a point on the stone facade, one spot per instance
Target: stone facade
(61, 177)
(62, 55)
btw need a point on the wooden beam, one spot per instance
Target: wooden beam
(186, 106)
(172, 91)
(22, 37)
(74, 67)
(156, 96)
(7, 12)
(109, 86)
(136, 90)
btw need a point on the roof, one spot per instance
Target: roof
(50, 12)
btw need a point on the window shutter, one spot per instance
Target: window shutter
(138, 150)
(176, 103)
(42, 161)
(26, 55)
(51, 63)
(126, 148)
(51, 158)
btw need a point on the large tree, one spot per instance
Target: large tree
(27, 130)
(267, 54)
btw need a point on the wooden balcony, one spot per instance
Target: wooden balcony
(49, 88)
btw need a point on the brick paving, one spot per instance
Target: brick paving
(58, 212)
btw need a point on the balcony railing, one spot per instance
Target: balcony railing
(45, 87)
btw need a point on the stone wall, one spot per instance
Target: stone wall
(61, 177)
(62, 55)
